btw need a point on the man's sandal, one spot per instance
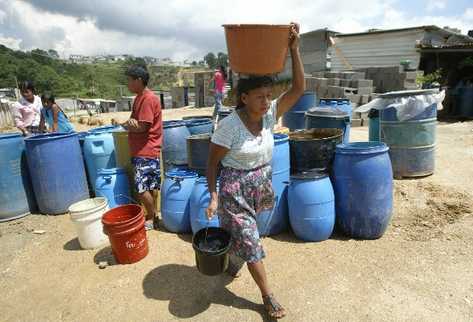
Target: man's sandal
(274, 309)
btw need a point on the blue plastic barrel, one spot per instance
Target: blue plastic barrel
(294, 118)
(16, 195)
(464, 106)
(175, 143)
(57, 171)
(311, 206)
(199, 126)
(199, 201)
(275, 221)
(363, 185)
(113, 185)
(326, 118)
(175, 200)
(411, 142)
(105, 129)
(99, 153)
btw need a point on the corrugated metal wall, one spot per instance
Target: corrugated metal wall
(376, 50)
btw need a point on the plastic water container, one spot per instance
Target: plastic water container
(311, 206)
(86, 216)
(326, 118)
(57, 171)
(199, 201)
(294, 118)
(113, 185)
(16, 194)
(99, 153)
(175, 200)
(275, 221)
(174, 143)
(363, 185)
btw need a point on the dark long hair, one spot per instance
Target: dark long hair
(27, 85)
(253, 82)
(223, 70)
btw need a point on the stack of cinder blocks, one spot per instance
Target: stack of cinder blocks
(388, 79)
(348, 84)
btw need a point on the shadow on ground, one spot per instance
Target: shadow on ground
(190, 293)
(72, 245)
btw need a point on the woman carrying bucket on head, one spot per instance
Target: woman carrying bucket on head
(243, 143)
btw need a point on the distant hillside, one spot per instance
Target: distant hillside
(65, 79)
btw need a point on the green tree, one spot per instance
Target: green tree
(222, 59)
(211, 60)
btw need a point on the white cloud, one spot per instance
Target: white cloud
(433, 5)
(187, 28)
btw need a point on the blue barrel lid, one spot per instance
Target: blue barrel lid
(9, 135)
(106, 128)
(50, 136)
(313, 174)
(197, 122)
(181, 173)
(111, 171)
(173, 123)
(279, 137)
(362, 147)
(327, 112)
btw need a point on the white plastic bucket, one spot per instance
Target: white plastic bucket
(87, 218)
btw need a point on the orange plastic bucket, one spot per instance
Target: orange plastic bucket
(257, 49)
(125, 227)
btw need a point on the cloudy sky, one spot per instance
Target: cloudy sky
(189, 28)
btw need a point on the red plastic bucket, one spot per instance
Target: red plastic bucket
(125, 227)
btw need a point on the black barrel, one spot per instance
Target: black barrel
(211, 246)
(314, 148)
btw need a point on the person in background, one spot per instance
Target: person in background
(27, 111)
(145, 139)
(243, 144)
(53, 116)
(219, 79)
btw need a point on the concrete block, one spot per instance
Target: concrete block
(318, 74)
(354, 98)
(322, 91)
(334, 81)
(321, 82)
(336, 91)
(347, 75)
(364, 90)
(332, 74)
(310, 84)
(356, 122)
(364, 99)
(358, 75)
(362, 83)
(408, 75)
(345, 83)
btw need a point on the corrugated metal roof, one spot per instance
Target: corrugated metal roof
(382, 31)
(376, 49)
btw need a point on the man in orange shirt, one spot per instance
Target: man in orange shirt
(145, 138)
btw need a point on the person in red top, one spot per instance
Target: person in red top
(145, 138)
(219, 80)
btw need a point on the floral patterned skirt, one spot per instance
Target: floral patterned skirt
(243, 194)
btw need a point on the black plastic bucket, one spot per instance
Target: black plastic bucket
(211, 246)
(313, 149)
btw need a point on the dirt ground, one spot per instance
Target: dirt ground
(421, 270)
